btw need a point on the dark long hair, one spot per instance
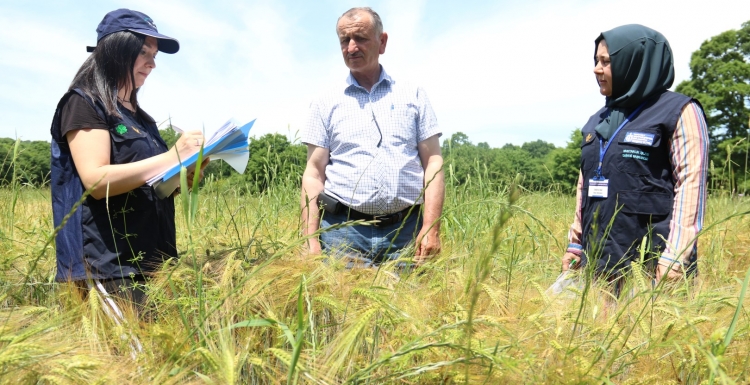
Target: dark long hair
(109, 68)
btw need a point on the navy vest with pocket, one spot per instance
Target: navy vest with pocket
(130, 233)
(641, 188)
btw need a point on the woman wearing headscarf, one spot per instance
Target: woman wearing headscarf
(105, 144)
(643, 163)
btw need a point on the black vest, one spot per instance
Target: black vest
(126, 234)
(641, 187)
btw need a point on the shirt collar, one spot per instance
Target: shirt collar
(351, 81)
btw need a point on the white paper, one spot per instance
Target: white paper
(238, 161)
(229, 136)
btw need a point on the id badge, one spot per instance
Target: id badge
(598, 188)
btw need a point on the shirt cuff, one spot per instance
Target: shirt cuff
(668, 261)
(574, 248)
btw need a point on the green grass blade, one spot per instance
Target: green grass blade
(291, 379)
(733, 324)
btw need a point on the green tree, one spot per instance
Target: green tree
(564, 163)
(464, 161)
(538, 148)
(510, 160)
(459, 139)
(273, 159)
(720, 80)
(32, 166)
(169, 135)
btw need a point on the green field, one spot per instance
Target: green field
(244, 305)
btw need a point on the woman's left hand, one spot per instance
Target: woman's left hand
(671, 275)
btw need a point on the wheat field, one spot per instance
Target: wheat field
(243, 304)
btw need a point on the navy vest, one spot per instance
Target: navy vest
(126, 234)
(639, 170)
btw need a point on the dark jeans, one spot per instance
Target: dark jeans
(368, 245)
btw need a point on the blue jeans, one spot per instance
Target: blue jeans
(367, 246)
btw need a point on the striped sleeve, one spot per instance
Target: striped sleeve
(574, 234)
(689, 155)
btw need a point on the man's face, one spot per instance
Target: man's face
(360, 45)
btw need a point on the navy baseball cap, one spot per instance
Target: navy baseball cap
(134, 21)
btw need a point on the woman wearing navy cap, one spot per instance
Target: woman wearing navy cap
(643, 163)
(103, 142)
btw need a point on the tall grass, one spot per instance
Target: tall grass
(243, 304)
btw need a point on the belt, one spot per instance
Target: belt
(382, 220)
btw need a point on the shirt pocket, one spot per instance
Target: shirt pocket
(402, 127)
(129, 144)
(637, 150)
(351, 136)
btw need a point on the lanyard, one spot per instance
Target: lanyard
(603, 149)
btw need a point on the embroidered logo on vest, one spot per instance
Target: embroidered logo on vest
(589, 137)
(136, 130)
(121, 129)
(642, 138)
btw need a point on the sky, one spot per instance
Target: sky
(499, 71)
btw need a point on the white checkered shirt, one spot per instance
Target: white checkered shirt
(372, 137)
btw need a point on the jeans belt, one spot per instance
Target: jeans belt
(382, 220)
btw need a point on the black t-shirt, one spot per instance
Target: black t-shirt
(78, 114)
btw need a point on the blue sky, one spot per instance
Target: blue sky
(499, 71)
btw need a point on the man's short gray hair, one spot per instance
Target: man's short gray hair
(352, 13)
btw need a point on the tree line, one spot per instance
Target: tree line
(720, 80)
(276, 159)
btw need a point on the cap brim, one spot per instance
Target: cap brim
(166, 43)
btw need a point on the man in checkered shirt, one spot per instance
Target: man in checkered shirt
(374, 154)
